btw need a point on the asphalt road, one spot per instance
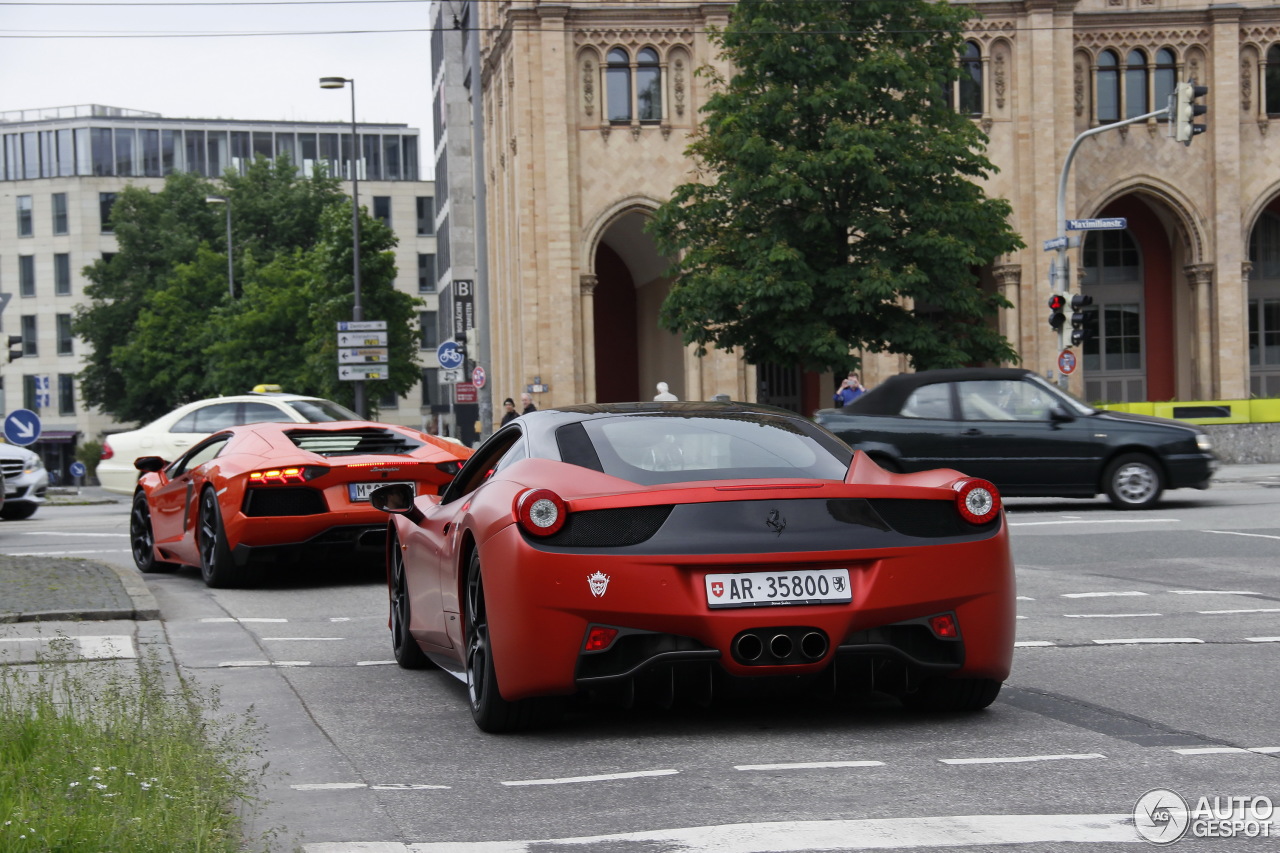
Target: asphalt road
(1148, 643)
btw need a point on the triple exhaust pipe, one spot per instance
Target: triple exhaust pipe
(779, 646)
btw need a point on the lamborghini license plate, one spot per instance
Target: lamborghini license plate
(358, 492)
(760, 589)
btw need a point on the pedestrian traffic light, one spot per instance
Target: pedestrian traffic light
(15, 341)
(1079, 334)
(1185, 110)
(1057, 304)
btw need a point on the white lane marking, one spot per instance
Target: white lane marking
(339, 618)
(1265, 750)
(354, 786)
(375, 663)
(304, 639)
(408, 786)
(1137, 641)
(603, 777)
(1223, 612)
(1106, 615)
(977, 831)
(1238, 533)
(62, 535)
(1212, 592)
(809, 765)
(1101, 594)
(1096, 521)
(1022, 759)
(1032, 644)
(265, 663)
(106, 648)
(1263, 639)
(1211, 750)
(67, 553)
(214, 619)
(1025, 598)
(1022, 617)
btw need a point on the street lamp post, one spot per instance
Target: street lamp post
(231, 276)
(357, 312)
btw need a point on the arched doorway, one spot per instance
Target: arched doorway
(632, 352)
(1264, 304)
(1128, 355)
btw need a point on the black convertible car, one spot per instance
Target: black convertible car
(1011, 427)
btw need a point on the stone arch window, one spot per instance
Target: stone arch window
(1135, 84)
(1271, 80)
(618, 85)
(648, 86)
(1107, 87)
(1264, 306)
(970, 85)
(1165, 78)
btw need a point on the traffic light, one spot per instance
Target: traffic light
(1185, 110)
(15, 341)
(1057, 304)
(1079, 334)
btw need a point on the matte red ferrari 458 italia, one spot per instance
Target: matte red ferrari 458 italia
(666, 547)
(268, 492)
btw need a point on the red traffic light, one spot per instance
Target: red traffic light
(1057, 302)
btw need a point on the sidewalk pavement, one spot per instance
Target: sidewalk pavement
(43, 589)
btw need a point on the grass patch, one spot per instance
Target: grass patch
(120, 756)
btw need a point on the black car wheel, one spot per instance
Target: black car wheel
(142, 540)
(405, 648)
(216, 564)
(1134, 481)
(491, 712)
(954, 694)
(18, 511)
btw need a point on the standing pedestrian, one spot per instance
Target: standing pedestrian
(527, 399)
(508, 411)
(850, 389)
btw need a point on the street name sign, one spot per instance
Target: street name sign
(364, 371)
(362, 325)
(1055, 243)
(1113, 224)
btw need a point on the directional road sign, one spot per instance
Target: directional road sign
(362, 339)
(449, 354)
(362, 326)
(1113, 224)
(364, 355)
(22, 426)
(364, 371)
(77, 469)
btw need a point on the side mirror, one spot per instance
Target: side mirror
(396, 497)
(149, 464)
(1058, 415)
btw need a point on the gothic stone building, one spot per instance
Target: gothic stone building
(588, 107)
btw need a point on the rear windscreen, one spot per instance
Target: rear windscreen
(662, 448)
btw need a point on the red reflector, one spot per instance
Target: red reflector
(599, 639)
(944, 626)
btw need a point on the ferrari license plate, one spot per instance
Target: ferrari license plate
(761, 589)
(360, 491)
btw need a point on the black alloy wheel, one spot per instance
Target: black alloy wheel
(216, 563)
(405, 648)
(141, 538)
(17, 511)
(491, 712)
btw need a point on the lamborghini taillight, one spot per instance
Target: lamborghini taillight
(285, 476)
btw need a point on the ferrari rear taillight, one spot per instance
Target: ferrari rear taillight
(285, 476)
(541, 511)
(107, 452)
(977, 500)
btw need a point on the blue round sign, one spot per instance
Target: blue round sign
(77, 469)
(22, 426)
(449, 355)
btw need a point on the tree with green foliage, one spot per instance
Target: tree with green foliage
(841, 209)
(163, 329)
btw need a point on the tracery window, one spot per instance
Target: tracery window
(1135, 84)
(618, 85)
(644, 77)
(1108, 87)
(1166, 77)
(648, 85)
(971, 80)
(1271, 80)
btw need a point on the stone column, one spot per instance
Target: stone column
(1203, 352)
(587, 334)
(1009, 321)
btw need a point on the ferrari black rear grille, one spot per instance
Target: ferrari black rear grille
(609, 528)
(926, 518)
(261, 503)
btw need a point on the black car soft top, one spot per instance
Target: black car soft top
(888, 397)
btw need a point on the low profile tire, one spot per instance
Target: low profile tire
(17, 512)
(405, 648)
(142, 540)
(1134, 481)
(216, 564)
(953, 694)
(491, 712)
